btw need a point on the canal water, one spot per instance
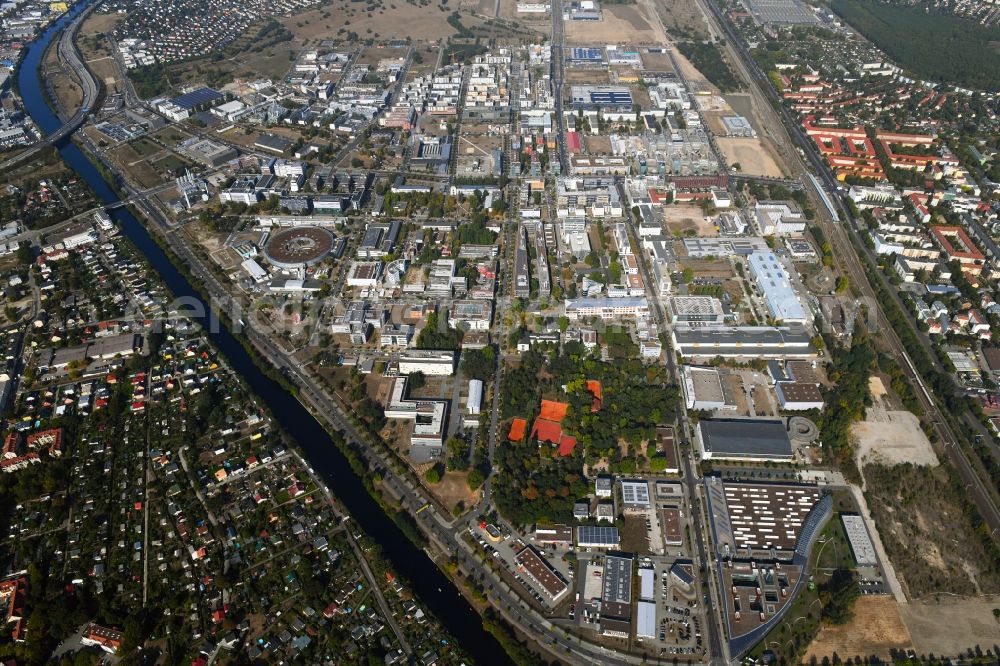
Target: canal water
(431, 586)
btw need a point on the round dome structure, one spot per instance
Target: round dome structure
(298, 247)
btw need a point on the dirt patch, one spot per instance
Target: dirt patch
(630, 24)
(452, 489)
(635, 538)
(750, 154)
(876, 630)
(892, 438)
(688, 221)
(950, 627)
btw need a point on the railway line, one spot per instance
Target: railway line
(846, 243)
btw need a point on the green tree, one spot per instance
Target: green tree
(433, 475)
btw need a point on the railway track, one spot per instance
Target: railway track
(846, 242)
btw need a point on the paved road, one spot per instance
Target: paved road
(847, 245)
(69, 55)
(717, 647)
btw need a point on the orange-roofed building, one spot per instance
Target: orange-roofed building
(596, 390)
(517, 429)
(553, 411)
(548, 428)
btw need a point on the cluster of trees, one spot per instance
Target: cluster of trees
(149, 80)
(437, 334)
(847, 400)
(518, 652)
(475, 233)
(535, 484)
(479, 363)
(837, 596)
(904, 32)
(708, 59)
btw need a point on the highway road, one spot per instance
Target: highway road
(847, 244)
(70, 57)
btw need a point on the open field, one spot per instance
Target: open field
(586, 76)
(405, 20)
(63, 85)
(682, 19)
(452, 489)
(875, 630)
(952, 625)
(892, 438)
(687, 220)
(657, 62)
(95, 50)
(508, 11)
(629, 24)
(750, 154)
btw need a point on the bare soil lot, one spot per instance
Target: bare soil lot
(630, 24)
(374, 55)
(508, 10)
(687, 220)
(452, 489)
(875, 630)
(750, 154)
(894, 439)
(598, 145)
(657, 62)
(967, 623)
(586, 76)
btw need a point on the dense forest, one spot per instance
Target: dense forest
(916, 36)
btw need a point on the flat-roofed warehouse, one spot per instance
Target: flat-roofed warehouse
(635, 494)
(861, 543)
(616, 595)
(743, 342)
(743, 439)
(196, 97)
(542, 573)
(591, 536)
(781, 12)
(703, 389)
(273, 142)
(765, 517)
(704, 309)
(798, 396)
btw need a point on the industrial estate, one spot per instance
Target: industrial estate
(584, 332)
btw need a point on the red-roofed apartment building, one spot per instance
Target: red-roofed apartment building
(957, 246)
(12, 600)
(106, 638)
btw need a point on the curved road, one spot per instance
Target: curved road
(846, 239)
(69, 55)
